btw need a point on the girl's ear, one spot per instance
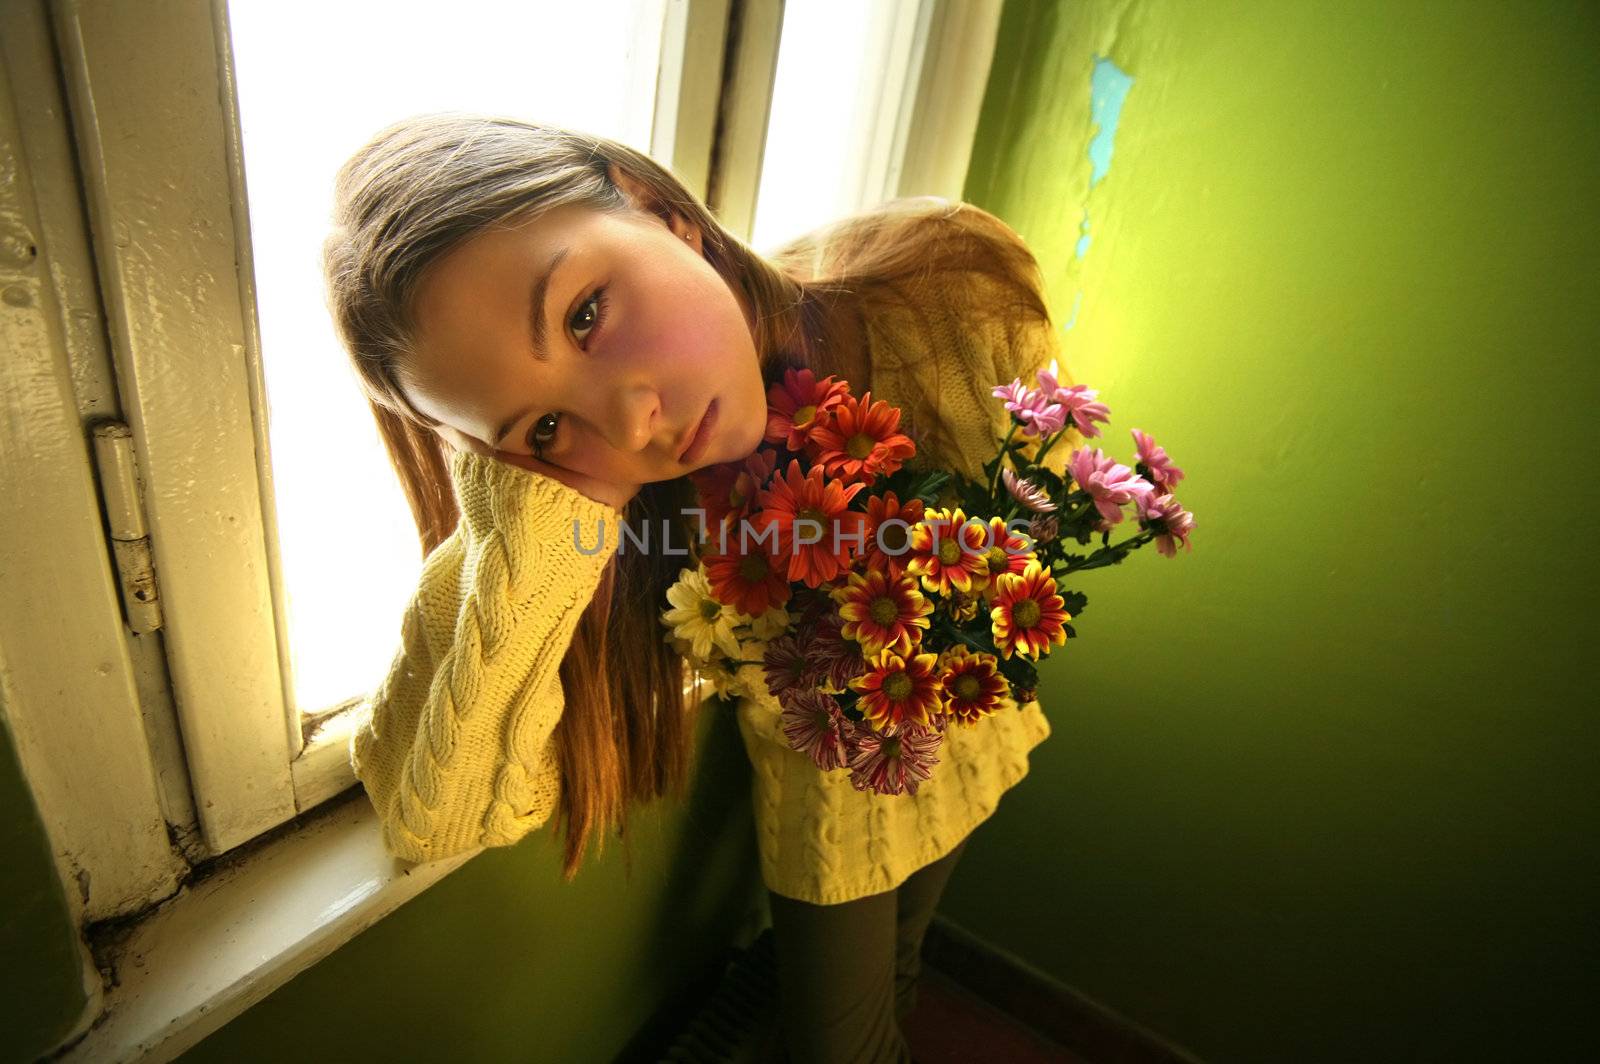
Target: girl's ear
(643, 200)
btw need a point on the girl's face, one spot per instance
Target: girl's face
(603, 365)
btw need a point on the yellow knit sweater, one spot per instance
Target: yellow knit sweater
(458, 751)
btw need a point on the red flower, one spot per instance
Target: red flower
(862, 440)
(817, 534)
(1029, 613)
(797, 406)
(727, 492)
(890, 520)
(752, 582)
(900, 690)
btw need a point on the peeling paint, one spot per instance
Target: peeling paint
(1108, 89)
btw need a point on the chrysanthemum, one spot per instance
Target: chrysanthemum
(752, 581)
(1171, 522)
(836, 657)
(889, 524)
(727, 492)
(861, 440)
(947, 552)
(973, 685)
(1111, 484)
(699, 618)
(813, 724)
(1026, 492)
(1159, 468)
(1008, 552)
(894, 764)
(1028, 613)
(786, 665)
(798, 405)
(1034, 410)
(1081, 406)
(771, 624)
(819, 508)
(961, 606)
(879, 612)
(897, 690)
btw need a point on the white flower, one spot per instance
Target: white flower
(699, 618)
(771, 624)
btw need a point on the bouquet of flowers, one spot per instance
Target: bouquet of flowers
(881, 606)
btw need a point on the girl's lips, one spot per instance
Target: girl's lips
(702, 434)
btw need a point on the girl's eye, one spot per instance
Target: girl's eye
(534, 441)
(599, 301)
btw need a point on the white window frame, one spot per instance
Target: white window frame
(189, 750)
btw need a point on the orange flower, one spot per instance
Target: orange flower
(881, 612)
(862, 440)
(895, 519)
(897, 690)
(1028, 612)
(817, 534)
(947, 552)
(973, 684)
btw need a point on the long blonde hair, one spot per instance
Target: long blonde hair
(425, 184)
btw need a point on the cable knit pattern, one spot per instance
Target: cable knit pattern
(457, 753)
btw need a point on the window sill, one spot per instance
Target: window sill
(263, 915)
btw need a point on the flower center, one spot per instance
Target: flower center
(805, 415)
(860, 445)
(710, 609)
(883, 610)
(949, 551)
(753, 568)
(1026, 612)
(897, 688)
(967, 686)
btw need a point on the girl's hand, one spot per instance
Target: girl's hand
(614, 495)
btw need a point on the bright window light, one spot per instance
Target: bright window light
(315, 82)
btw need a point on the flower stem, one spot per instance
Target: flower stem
(1000, 460)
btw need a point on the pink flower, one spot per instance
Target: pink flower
(1170, 521)
(1111, 484)
(814, 725)
(893, 764)
(1161, 470)
(1026, 492)
(1079, 402)
(1032, 407)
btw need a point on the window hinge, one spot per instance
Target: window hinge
(130, 537)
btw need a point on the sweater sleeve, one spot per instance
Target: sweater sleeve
(459, 752)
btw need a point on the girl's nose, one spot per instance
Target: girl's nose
(634, 418)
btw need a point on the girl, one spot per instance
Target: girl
(553, 334)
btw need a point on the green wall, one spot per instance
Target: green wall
(1326, 788)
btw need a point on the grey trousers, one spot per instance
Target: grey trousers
(847, 973)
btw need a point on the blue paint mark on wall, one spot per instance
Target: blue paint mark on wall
(1108, 88)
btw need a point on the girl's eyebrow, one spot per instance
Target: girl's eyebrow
(538, 312)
